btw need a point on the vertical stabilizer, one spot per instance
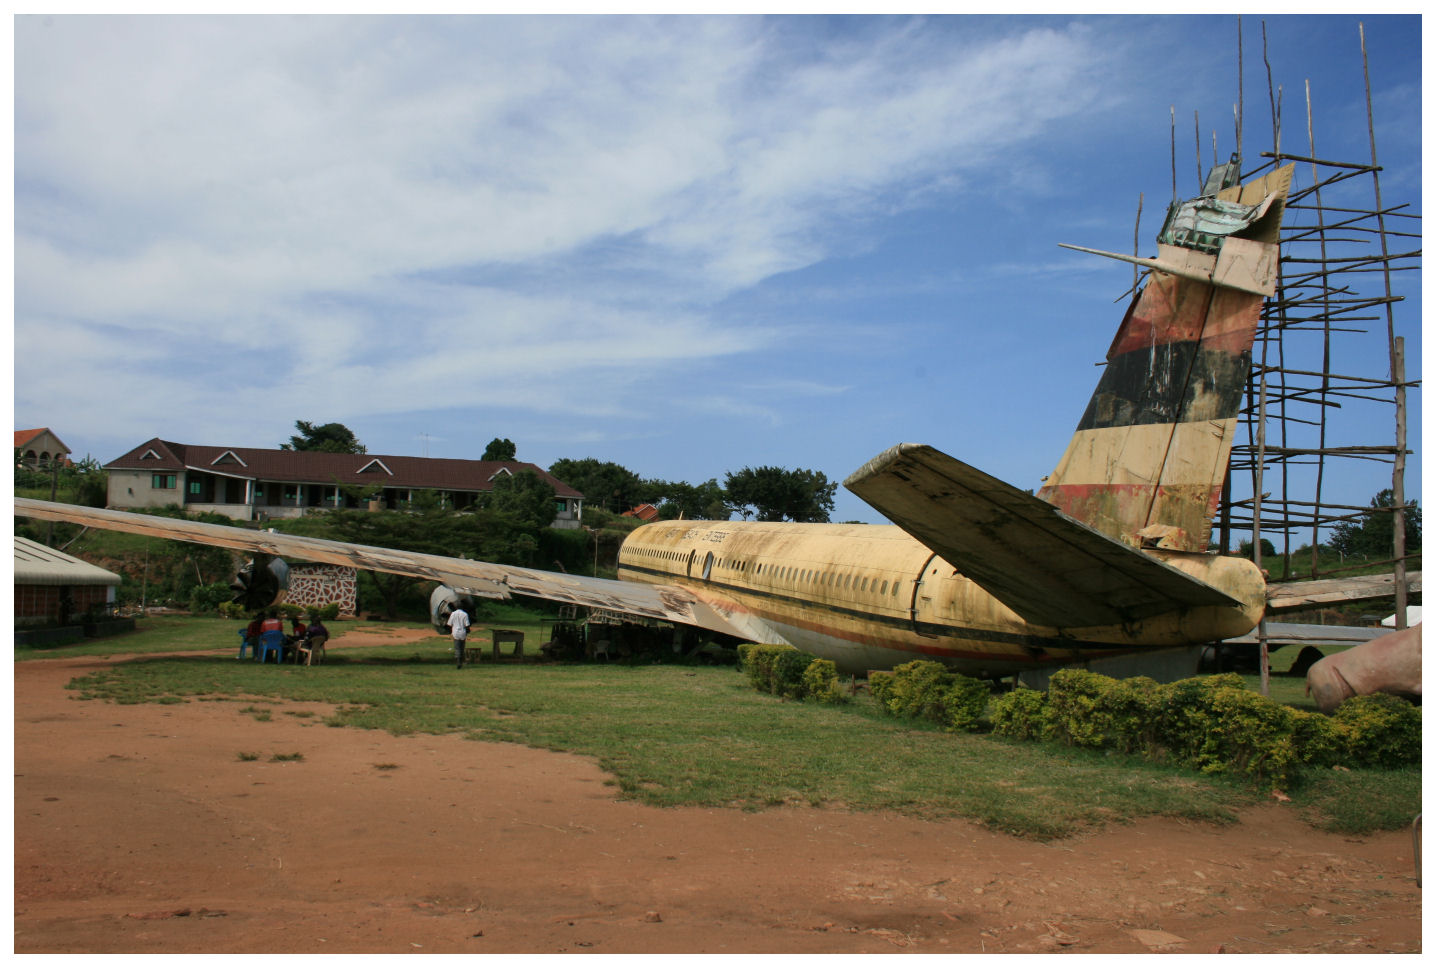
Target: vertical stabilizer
(1148, 458)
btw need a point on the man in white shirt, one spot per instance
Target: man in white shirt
(459, 626)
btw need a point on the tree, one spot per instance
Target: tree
(525, 497)
(603, 484)
(679, 499)
(1268, 550)
(1371, 536)
(330, 438)
(481, 533)
(500, 449)
(775, 494)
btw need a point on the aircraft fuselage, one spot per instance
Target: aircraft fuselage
(872, 596)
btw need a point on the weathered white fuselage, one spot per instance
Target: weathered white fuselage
(872, 596)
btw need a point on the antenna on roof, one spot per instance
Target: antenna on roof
(425, 438)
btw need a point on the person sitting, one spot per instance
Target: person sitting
(271, 622)
(251, 636)
(314, 638)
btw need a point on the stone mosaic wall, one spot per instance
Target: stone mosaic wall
(316, 585)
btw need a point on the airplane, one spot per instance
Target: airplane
(1107, 565)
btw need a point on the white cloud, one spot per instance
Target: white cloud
(283, 203)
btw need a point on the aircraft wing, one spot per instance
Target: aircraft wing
(1044, 565)
(668, 603)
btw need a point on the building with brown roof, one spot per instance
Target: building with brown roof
(249, 483)
(39, 448)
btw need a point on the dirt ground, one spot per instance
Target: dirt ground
(139, 829)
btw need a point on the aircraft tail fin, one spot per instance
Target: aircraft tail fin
(1147, 462)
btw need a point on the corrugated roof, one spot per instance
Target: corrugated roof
(316, 467)
(36, 564)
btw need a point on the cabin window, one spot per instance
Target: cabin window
(865, 585)
(885, 587)
(708, 566)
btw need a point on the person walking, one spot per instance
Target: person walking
(459, 626)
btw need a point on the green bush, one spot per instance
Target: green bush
(919, 690)
(1184, 719)
(208, 598)
(775, 669)
(232, 610)
(327, 613)
(1074, 699)
(782, 670)
(1317, 741)
(787, 676)
(821, 682)
(880, 687)
(756, 662)
(1020, 714)
(967, 702)
(1252, 736)
(1096, 711)
(928, 690)
(1379, 730)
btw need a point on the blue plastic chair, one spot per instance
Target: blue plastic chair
(271, 641)
(245, 642)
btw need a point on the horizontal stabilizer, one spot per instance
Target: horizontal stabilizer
(1044, 565)
(482, 579)
(1294, 596)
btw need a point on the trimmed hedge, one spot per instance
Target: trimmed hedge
(928, 690)
(782, 670)
(1213, 724)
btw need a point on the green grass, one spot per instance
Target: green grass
(674, 735)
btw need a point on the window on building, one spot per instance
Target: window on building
(162, 480)
(194, 487)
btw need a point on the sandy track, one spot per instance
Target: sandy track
(139, 829)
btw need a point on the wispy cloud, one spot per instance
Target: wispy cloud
(394, 214)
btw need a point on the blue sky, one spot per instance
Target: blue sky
(686, 245)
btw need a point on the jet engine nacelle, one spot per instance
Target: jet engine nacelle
(442, 602)
(262, 582)
(1390, 663)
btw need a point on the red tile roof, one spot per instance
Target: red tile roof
(315, 467)
(23, 437)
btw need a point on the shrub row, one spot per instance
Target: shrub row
(782, 670)
(327, 613)
(1213, 724)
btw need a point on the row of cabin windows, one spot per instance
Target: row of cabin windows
(847, 582)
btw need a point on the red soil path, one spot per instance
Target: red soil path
(139, 829)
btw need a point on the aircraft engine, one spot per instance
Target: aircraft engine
(442, 602)
(260, 583)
